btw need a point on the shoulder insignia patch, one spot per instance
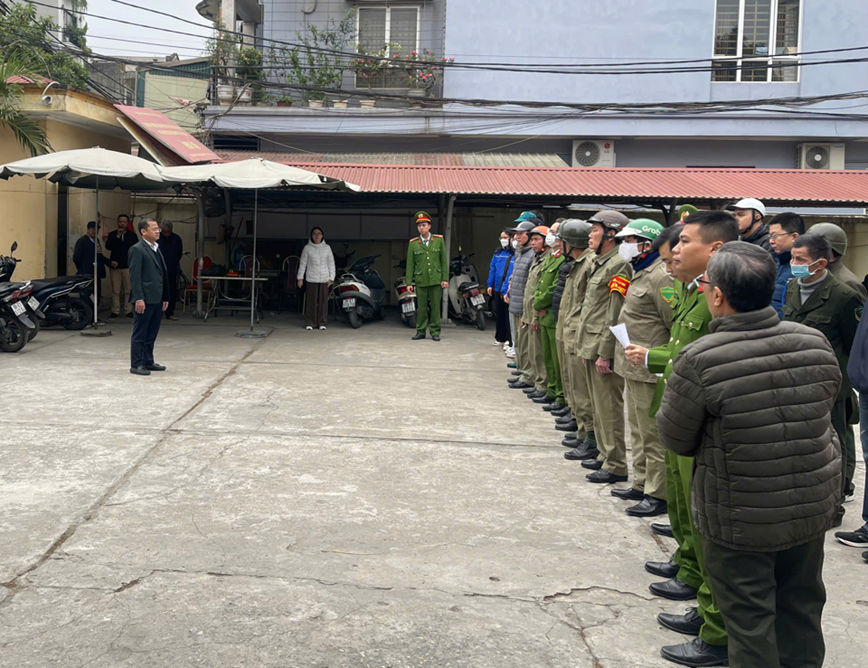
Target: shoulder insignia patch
(668, 294)
(859, 313)
(414, 239)
(619, 284)
(439, 236)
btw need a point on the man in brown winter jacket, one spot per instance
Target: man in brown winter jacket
(751, 403)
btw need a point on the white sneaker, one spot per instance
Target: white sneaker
(505, 346)
(511, 353)
(322, 327)
(496, 343)
(310, 329)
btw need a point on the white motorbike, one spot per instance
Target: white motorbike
(361, 292)
(405, 295)
(466, 301)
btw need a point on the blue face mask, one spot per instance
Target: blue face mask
(801, 270)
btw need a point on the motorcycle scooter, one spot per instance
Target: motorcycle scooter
(360, 292)
(15, 325)
(466, 301)
(55, 301)
(405, 295)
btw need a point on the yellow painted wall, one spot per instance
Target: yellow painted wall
(160, 89)
(28, 213)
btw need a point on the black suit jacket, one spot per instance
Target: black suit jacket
(149, 279)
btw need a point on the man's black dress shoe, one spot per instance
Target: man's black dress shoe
(553, 406)
(516, 373)
(418, 337)
(604, 477)
(628, 494)
(563, 412)
(545, 399)
(585, 451)
(511, 365)
(564, 419)
(531, 390)
(155, 367)
(519, 385)
(674, 590)
(647, 507)
(571, 442)
(592, 464)
(140, 371)
(662, 529)
(575, 454)
(688, 623)
(568, 426)
(435, 337)
(663, 569)
(696, 654)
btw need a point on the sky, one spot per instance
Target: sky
(139, 41)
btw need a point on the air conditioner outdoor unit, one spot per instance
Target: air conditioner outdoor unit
(593, 153)
(820, 156)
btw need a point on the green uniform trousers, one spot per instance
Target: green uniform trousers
(772, 602)
(522, 354)
(428, 297)
(554, 385)
(577, 394)
(649, 466)
(537, 361)
(689, 556)
(607, 403)
(842, 414)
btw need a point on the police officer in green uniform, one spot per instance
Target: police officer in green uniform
(428, 269)
(647, 315)
(608, 282)
(699, 238)
(816, 298)
(542, 306)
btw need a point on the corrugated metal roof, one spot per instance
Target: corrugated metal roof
(429, 159)
(782, 186)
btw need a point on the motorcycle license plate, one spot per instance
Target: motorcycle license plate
(33, 304)
(350, 303)
(477, 300)
(18, 308)
(408, 307)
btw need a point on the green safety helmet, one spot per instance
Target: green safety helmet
(574, 232)
(644, 228)
(836, 237)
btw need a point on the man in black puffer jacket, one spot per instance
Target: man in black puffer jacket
(751, 401)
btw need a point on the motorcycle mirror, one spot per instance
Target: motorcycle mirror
(459, 248)
(14, 246)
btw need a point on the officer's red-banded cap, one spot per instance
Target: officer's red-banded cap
(423, 217)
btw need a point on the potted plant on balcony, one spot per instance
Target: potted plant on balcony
(316, 67)
(222, 50)
(371, 66)
(422, 70)
(250, 70)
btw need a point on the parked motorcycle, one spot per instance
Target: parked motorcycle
(405, 295)
(15, 324)
(62, 300)
(361, 292)
(466, 301)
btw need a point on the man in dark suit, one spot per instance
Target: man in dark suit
(149, 281)
(172, 249)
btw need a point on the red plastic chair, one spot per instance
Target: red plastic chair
(206, 286)
(289, 283)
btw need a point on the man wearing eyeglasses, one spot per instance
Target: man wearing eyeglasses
(784, 229)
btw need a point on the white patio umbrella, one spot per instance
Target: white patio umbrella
(252, 174)
(91, 169)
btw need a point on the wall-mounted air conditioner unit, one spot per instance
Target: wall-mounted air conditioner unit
(593, 153)
(820, 156)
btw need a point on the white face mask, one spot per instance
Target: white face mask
(504, 243)
(551, 240)
(628, 252)
(515, 244)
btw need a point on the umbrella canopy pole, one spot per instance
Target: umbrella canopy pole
(253, 272)
(96, 255)
(200, 254)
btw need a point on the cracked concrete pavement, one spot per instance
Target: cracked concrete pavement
(327, 499)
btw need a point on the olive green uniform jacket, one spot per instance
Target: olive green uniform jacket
(545, 289)
(601, 307)
(427, 265)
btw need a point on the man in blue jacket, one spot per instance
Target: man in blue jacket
(784, 229)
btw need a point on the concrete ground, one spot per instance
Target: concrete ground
(325, 499)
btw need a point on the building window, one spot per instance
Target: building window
(756, 41)
(396, 29)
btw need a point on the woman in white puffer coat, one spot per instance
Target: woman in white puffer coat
(317, 266)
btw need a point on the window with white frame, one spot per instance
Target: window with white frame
(757, 41)
(392, 29)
